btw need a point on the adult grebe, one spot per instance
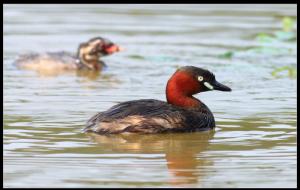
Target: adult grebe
(181, 113)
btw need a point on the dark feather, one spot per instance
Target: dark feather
(150, 116)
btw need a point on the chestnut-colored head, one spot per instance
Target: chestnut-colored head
(190, 80)
(90, 52)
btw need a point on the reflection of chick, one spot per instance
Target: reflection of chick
(181, 150)
(87, 57)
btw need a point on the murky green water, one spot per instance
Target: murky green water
(254, 144)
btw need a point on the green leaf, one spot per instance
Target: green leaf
(284, 71)
(285, 36)
(226, 55)
(136, 57)
(287, 24)
(264, 38)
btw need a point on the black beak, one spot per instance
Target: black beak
(219, 86)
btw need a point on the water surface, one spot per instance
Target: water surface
(253, 145)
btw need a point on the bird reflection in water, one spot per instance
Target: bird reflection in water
(182, 151)
(88, 74)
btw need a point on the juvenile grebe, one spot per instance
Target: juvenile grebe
(182, 112)
(87, 57)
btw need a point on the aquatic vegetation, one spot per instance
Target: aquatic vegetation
(227, 55)
(277, 43)
(286, 34)
(287, 24)
(138, 57)
(265, 41)
(289, 71)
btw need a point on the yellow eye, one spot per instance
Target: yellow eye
(200, 78)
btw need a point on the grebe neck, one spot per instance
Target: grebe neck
(83, 63)
(180, 90)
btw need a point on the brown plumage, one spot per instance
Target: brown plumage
(87, 57)
(182, 112)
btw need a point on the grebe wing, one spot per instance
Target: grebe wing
(62, 57)
(146, 116)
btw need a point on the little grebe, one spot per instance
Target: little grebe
(87, 57)
(182, 112)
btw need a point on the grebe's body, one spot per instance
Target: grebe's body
(50, 60)
(182, 112)
(151, 116)
(87, 57)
